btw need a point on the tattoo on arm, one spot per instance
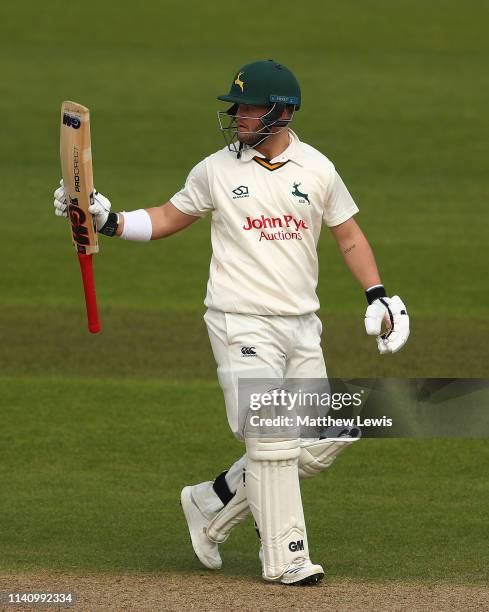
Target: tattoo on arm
(348, 249)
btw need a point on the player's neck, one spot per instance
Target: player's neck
(274, 145)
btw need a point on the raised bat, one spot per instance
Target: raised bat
(76, 166)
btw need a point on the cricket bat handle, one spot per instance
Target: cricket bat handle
(89, 288)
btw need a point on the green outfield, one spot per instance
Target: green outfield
(99, 434)
(92, 481)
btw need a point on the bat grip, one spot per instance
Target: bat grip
(89, 288)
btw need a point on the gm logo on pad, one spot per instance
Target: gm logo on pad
(295, 546)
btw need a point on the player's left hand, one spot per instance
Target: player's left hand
(60, 206)
(394, 312)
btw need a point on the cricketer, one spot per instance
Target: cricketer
(269, 194)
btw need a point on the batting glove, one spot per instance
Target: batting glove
(394, 311)
(60, 206)
(99, 209)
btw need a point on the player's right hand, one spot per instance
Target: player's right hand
(99, 209)
(393, 309)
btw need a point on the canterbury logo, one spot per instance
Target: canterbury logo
(239, 82)
(295, 546)
(248, 351)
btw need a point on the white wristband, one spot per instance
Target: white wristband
(137, 226)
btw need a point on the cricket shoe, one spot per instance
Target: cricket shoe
(206, 550)
(300, 573)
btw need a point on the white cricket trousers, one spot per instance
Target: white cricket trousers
(256, 346)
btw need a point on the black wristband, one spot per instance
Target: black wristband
(110, 226)
(375, 293)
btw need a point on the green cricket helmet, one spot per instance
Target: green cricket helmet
(264, 83)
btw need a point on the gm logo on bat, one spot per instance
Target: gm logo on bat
(71, 121)
(78, 223)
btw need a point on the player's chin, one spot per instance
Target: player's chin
(249, 138)
(245, 137)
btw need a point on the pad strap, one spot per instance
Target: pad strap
(221, 488)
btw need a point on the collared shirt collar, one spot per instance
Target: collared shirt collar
(292, 153)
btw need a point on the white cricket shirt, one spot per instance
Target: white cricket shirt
(266, 220)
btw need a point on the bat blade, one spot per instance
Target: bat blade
(76, 167)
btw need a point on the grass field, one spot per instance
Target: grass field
(96, 485)
(92, 452)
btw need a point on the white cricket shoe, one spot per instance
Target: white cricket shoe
(300, 573)
(206, 550)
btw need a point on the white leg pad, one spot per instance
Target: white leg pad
(318, 455)
(274, 497)
(233, 513)
(315, 456)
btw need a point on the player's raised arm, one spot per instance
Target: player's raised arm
(165, 221)
(139, 225)
(186, 206)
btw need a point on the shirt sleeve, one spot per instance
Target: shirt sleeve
(195, 197)
(339, 205)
